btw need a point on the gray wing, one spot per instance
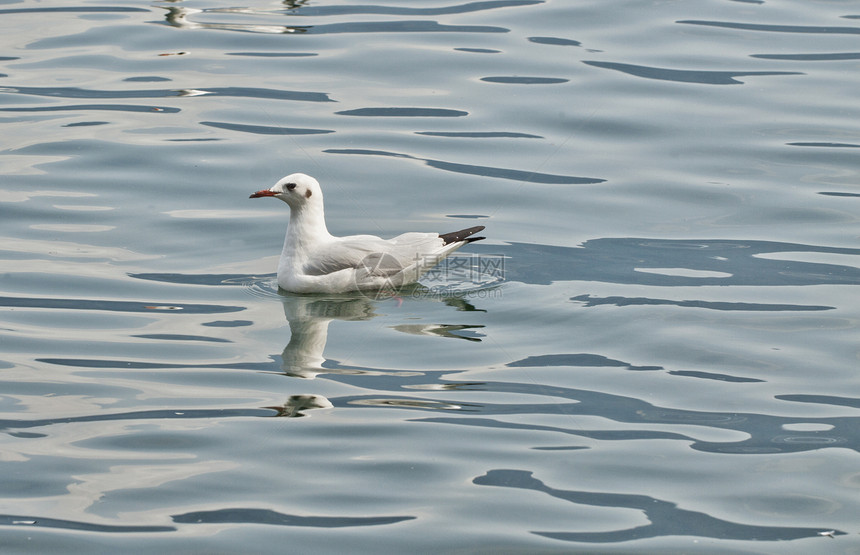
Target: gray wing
(334, 259)
(372, 255)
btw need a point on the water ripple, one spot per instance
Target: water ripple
(825, 145)
(577, 359)
(265, 129)
(115, 306)
(154, 415)
(97, 107)
(806, 29)
(239, 92)
(30, 521)
(274, 54)
(590, 301)
(762, 433)
(665, 518)
(237, 515)
(469, 7)
(516, 80)
(74, 9)
(832, 57)
(205, 279)
(686, 76)
(404, 112)
(485, 171)
(479, 134)
(616, 260)
(180, 17)
(555, 41)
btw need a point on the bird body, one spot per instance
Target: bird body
(315, 261)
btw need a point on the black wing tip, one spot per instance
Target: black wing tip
(464, 235)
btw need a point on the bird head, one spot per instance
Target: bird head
(296, 189)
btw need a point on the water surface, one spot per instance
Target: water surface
(654, 350)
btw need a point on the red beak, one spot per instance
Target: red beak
(263, 193)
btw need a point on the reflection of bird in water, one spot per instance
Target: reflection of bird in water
(297, 403)
(309, 317)
(441, 330)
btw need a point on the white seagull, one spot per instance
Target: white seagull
(315, 261)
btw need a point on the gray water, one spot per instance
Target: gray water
(654, 350)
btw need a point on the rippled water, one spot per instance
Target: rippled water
(655, 350)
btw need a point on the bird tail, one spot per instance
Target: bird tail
(462, 235)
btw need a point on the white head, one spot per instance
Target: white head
(297, 190)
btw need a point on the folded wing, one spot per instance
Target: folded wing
(372, 256)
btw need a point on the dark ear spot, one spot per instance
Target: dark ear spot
(308, 193)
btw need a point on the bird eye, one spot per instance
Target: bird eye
(291, 186)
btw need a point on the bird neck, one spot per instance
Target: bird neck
(307, 226)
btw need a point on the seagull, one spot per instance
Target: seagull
(315, 261)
